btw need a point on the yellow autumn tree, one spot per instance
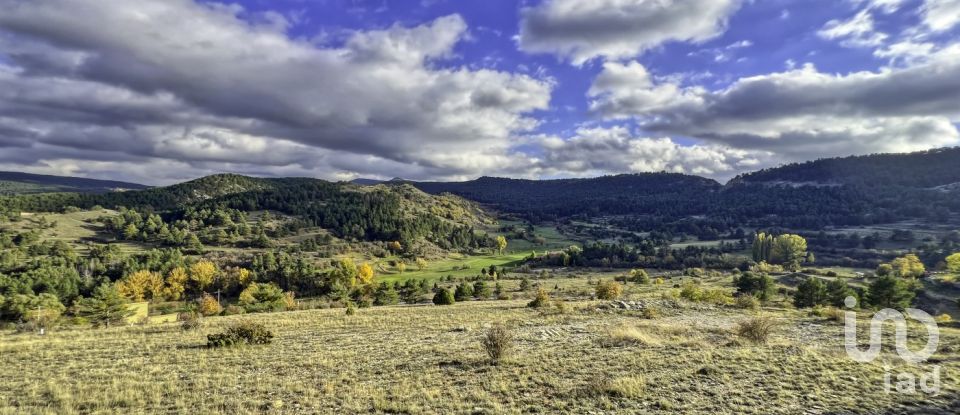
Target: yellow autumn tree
(421, 264)
(202, 273)
(176, 284)
(501, 243)
(401, 266)
(908, 266)
(141, 285)
(209, 306)
(365, 274)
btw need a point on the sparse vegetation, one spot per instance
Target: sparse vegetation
(498, 343)
(756, 329)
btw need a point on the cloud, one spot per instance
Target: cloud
(604, 150)
(581, 30)
(941, 15)
(800, 113)
(858, 31)
(206, 84)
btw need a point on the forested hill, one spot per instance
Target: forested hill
(394, 212)
(12, 183)
(926, 169)
(655, 194)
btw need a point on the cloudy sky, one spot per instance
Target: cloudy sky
(159, 91)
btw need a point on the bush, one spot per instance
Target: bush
(756, 284)
(351, 308)
(264, 297)
(232, 310)
(542, 299)
(609, 290)
(748, 302)
(497, 342)
(245, 332)
(829, 313)
(189, 321)
(464, 292)
(810, 292)
(756, 329)
(890, 292)
(443, 297)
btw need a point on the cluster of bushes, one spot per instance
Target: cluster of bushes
(241, 333)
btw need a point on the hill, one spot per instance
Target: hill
(925, 169)
(388, 212)
(668, 195)
(13, 183)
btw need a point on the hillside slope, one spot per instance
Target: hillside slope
(657, 194)
(13, 183)
(925, 169)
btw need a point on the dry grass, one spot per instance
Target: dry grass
(757, 329)
(630, 336)
(415, 360)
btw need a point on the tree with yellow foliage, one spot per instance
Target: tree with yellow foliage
(176, 284)
(501, 243)
(395, 246)
(908, 266)
(141, 285)
(209, 306)
(421, 264)
(202, 273)
(365, 274)
(401, 266)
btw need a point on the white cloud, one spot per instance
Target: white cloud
(200, 83)
(941, 15)
(581, 30)
(858, 31)
(799, 114)
(604, 150)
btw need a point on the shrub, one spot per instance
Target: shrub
(189, 321)
(263, 297)
(756, 329)
(650, 313)
(609, 290)
(209, 306)
(351, 308)
(658, 281)
(944, 318)
(464, 292)
(232, 310)
(810, 292)
(481, 290)
(756, 284)
(443, 297)
(748, 302)
(244, 332)
(640, 276)
(890, 292)
(497, 342)
(829, 313)
(542, 299)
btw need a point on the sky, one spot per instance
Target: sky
(161, 91)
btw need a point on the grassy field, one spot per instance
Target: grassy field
(428, 359)
(466, 266)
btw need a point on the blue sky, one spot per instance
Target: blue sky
(159, 91)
